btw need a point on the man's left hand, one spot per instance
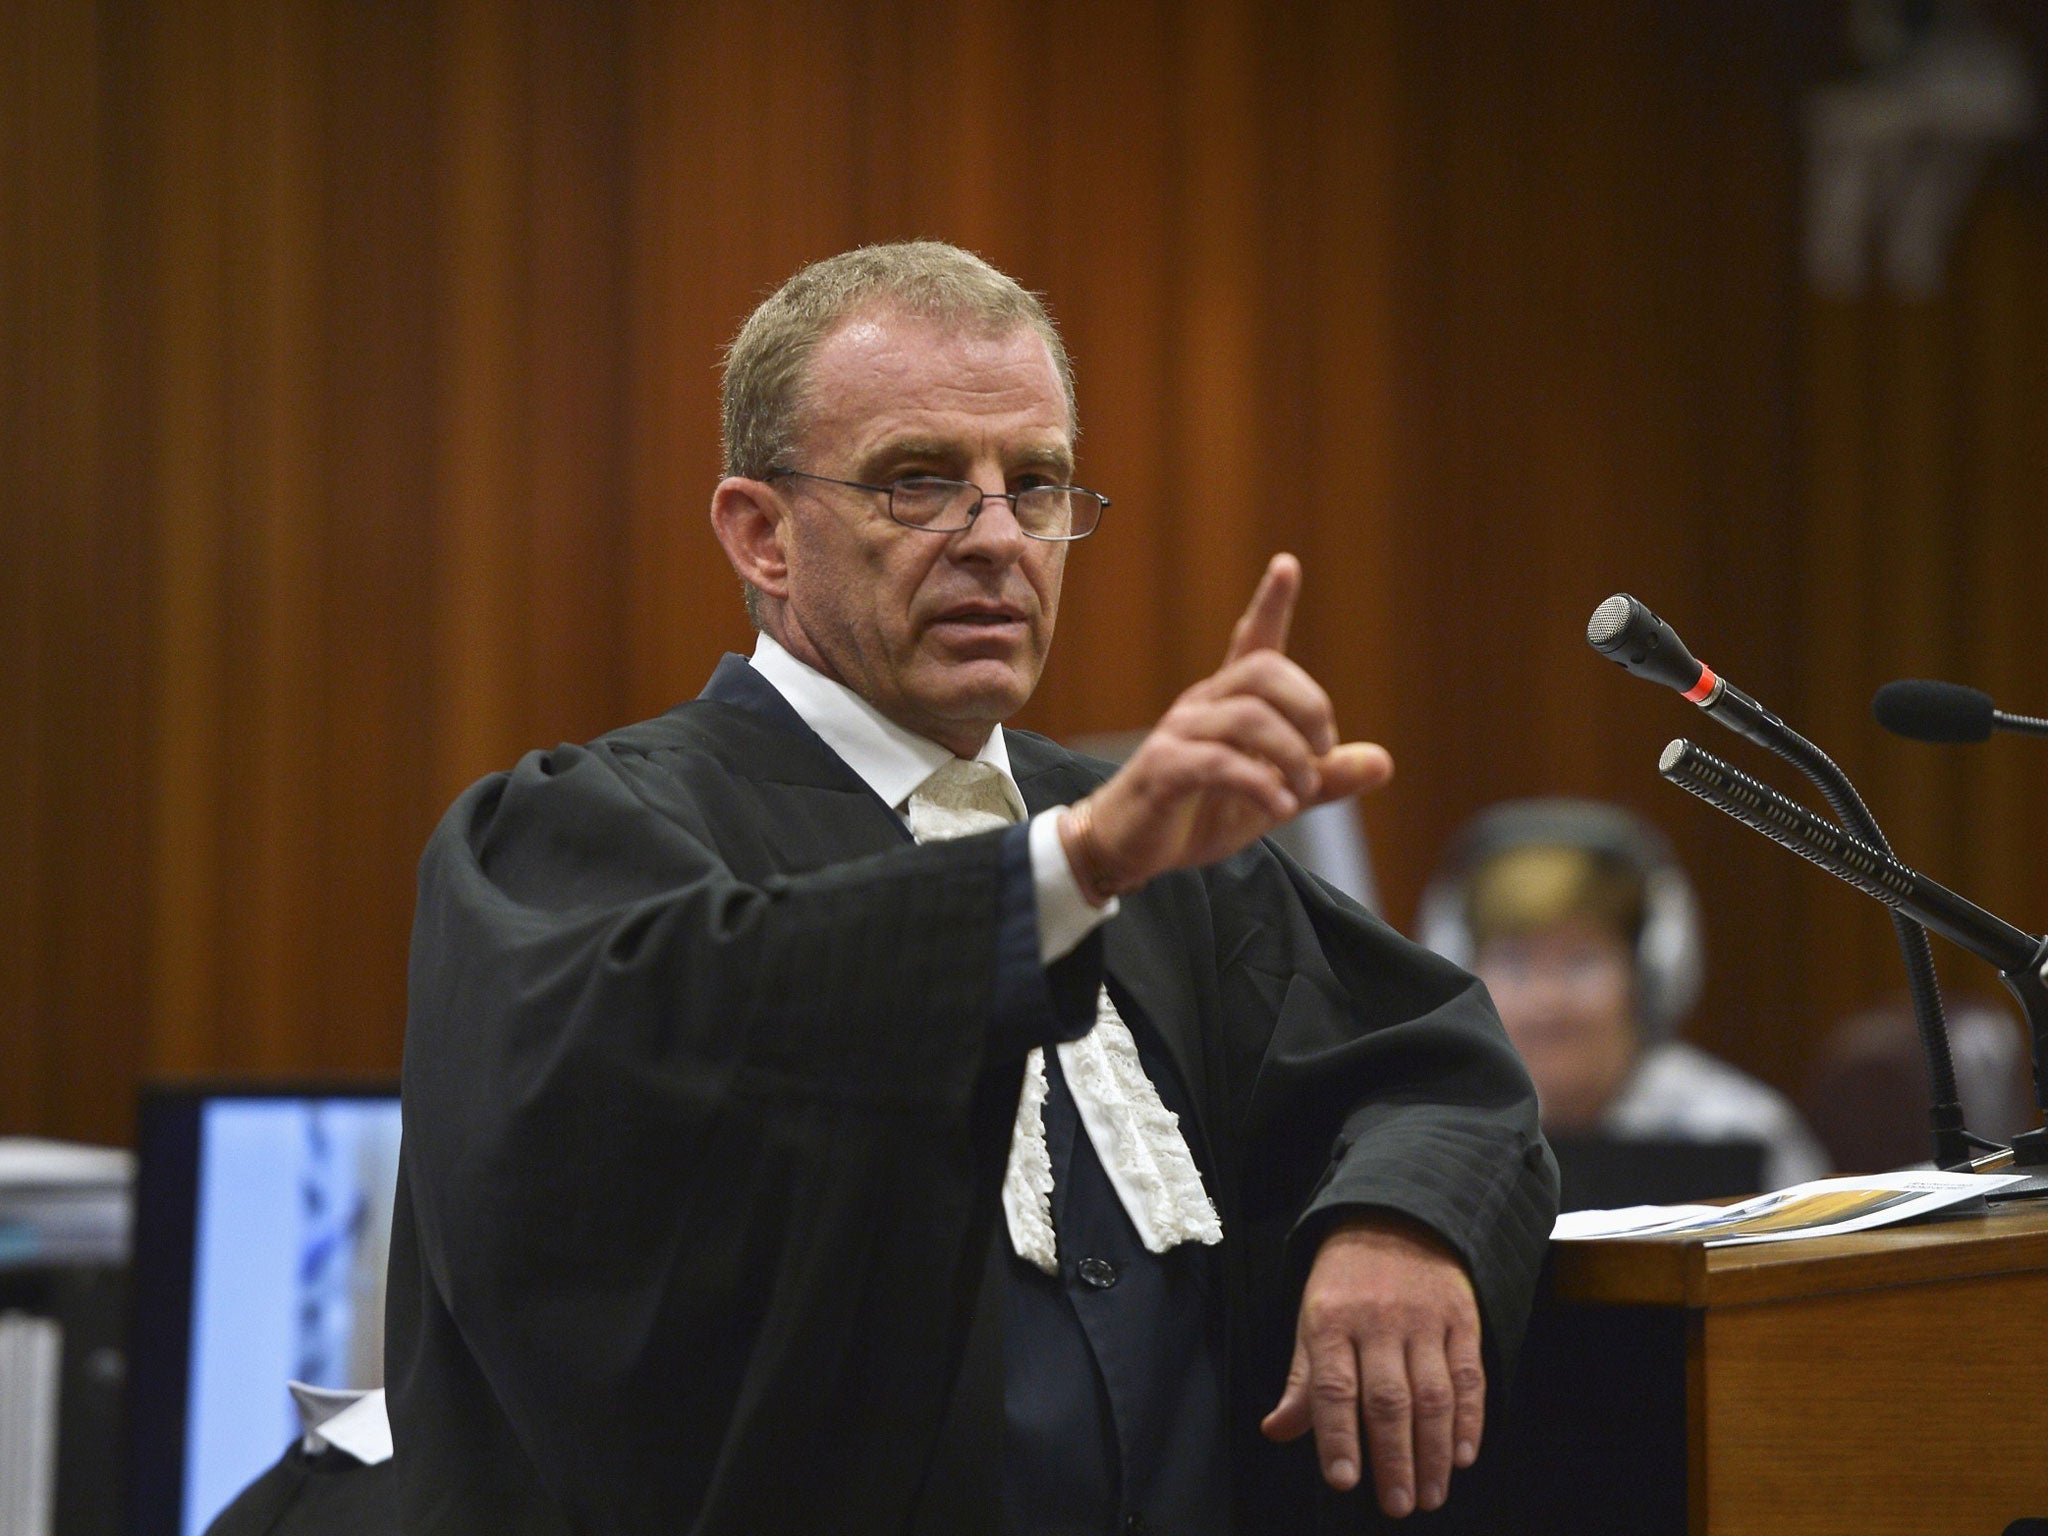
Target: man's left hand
(1388, 1334)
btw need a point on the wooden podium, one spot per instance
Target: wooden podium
(1891, 1381)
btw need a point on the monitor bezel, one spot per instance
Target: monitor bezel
(162, 1244)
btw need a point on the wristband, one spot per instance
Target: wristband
(1077, 829)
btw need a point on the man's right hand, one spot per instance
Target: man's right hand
(1250, 746)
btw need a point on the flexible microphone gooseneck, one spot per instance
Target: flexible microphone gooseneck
(1922, 710)
(1624, 630)
(2021, 958)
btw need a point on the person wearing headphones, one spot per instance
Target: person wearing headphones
(1584, 928)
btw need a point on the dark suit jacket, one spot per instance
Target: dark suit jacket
(329, 1494)
(708, 1086)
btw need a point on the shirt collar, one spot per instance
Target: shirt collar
(890, 760)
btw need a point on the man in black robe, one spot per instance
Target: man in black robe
(739, 1062)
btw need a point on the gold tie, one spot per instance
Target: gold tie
(962, 798)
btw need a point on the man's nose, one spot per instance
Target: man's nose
(995, 533)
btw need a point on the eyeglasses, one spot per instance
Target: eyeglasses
(1056, 513)
(1583, 973)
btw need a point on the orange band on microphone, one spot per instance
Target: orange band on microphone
(1708, 682)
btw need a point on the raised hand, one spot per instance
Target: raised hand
(1250, 746)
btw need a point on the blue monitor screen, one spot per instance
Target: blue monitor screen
(271, 1216)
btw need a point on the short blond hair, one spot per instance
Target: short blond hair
(1524, 889)
(767, 366)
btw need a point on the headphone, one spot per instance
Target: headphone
(1670, 951)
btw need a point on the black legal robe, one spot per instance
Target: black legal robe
(708, 1088)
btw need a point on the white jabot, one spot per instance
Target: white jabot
(1137, 1138)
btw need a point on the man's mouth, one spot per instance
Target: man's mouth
(980, 615)
(970, 625)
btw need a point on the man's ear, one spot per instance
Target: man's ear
(750, 521)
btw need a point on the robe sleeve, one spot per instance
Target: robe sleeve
(1387, 1076)
(699, 1170)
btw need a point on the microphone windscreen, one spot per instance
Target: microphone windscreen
(1626, 632)
(1922, 710)
(1608, 621)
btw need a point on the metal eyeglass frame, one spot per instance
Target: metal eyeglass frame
(1101, 501)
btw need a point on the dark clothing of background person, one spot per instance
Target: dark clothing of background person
(328, 1493)
(709, 1083)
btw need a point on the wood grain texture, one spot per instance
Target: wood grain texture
(1854, 1411)
(73, 973)
(360, 422)
(1886, 1381)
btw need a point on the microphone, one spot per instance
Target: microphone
(1876, 873)
(1627, 633)
(2021, 958)
(1922, 710)
(1624, 630)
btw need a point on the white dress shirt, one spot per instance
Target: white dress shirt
(892, 762)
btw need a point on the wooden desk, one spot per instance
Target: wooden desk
(1891, 1381)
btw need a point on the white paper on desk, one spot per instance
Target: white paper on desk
(1628, 1221)
(1818, 1208)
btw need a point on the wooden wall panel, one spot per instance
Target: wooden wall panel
(1595, 229)
(1106, 221)
(1927, 464)
(360, 421)
(1351, 444)
(23, 946)
(185, 135)
(576, 408)
(1221, 469)
(274, 542)
(71, 880)
(485, 429)
(2004, 312)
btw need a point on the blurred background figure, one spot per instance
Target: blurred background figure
(1866, 1092)
(1586, 932)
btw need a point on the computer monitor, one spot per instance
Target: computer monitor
(262, 1222)
(1606, 1172)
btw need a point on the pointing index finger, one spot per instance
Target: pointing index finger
(1265, 622)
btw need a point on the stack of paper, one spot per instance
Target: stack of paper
(61, 1203)
(1820, 1208)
